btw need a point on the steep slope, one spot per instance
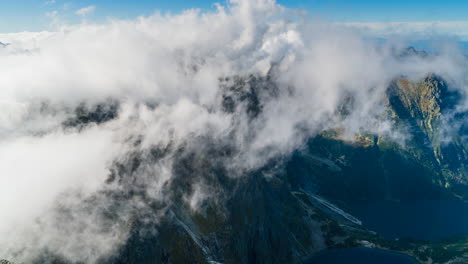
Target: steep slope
(439, 132)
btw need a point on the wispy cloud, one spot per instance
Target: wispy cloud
(421, 29)
(52, 14)
(85, 10)
(66, 6)
(50, 2)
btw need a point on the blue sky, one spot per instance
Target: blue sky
(31, 15)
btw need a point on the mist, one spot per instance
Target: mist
(165, 79)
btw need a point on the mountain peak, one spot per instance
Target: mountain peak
(411, 52)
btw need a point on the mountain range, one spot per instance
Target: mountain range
(296, 205)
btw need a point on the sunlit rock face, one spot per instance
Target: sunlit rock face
(429, 106)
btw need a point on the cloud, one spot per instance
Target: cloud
(193, 92)
(66, 6)
(49, 2)
(52, 14)
(415, 29)
(85, 10)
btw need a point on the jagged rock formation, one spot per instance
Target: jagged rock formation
(411, 51)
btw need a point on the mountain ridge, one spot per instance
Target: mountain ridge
(276, 208)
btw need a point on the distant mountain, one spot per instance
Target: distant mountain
(411, 51)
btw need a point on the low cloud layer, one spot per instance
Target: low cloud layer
(85, 10)
(435, 29)
(171, 78)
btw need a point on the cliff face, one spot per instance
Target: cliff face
(439, 132)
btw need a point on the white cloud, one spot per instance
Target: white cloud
(85, 10)
(66, 6)
(52, 14)
(49, 2)
(415, 29)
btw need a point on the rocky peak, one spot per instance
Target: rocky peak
(411, 52)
